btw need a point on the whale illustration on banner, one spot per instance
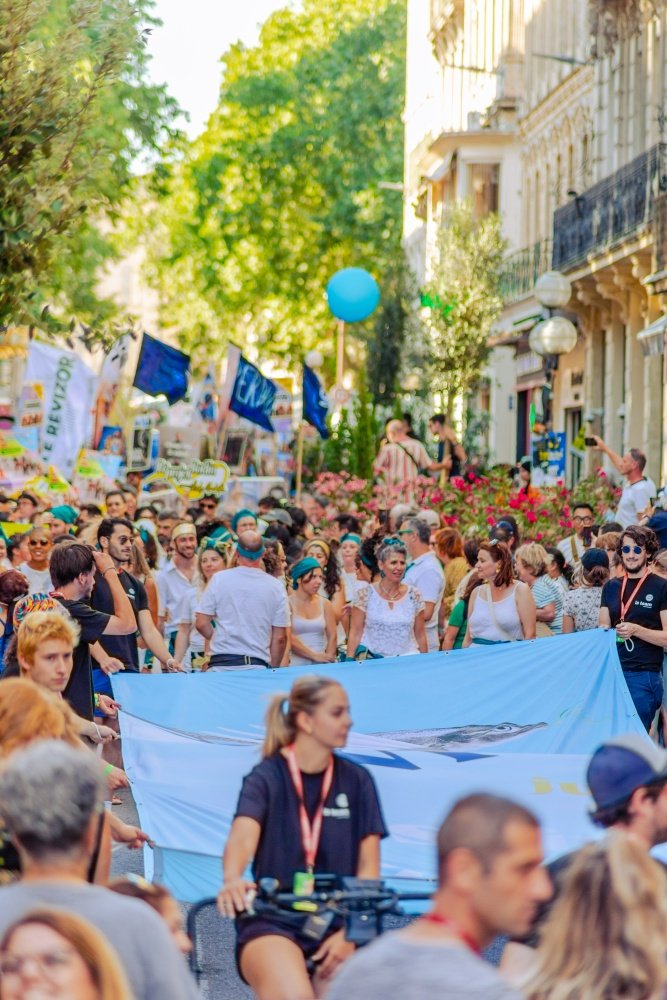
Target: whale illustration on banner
(459, 736)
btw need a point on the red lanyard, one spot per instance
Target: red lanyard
(310, 835)
(436, 918)
(628, 603)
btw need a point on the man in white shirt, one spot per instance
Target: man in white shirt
(574, 546)
(638, 489)
(250, 610)
(177, 578)
(425, 573)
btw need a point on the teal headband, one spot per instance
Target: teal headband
(217, 544)
(247, 554)
(351, 537)
(243, 513)
(302, 567)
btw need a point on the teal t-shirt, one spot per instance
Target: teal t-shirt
(457, 618)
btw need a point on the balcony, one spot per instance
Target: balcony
(522, 269)
(618, 207)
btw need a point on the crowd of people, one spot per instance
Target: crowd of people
(138, 586)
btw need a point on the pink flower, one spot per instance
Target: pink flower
(490, 520)
(539, 536)
(531, 516)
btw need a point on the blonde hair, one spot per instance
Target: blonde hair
(281, 715)
(44, 626)
(101, 960)
(29, 713)
(607, 540)
(534, 557)
(606, 935)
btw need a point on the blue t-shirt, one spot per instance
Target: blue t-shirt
(351, 813)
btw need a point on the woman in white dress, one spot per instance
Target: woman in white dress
(313, 628)
(502, 609)
(190, 645)
(387, 616)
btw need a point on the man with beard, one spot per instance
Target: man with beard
(636, 606)
(177, 578)
(73, 568)
(114, 536)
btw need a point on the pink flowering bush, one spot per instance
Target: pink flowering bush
(472, 506)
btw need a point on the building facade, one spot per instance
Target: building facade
(589, 137)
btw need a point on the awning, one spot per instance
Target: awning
(441, 170)
(652, 338)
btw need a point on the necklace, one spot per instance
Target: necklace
(390, 598)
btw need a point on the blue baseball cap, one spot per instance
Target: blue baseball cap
(621, 766)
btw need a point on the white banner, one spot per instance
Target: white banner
(69, 389)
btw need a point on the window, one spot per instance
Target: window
(483, 179)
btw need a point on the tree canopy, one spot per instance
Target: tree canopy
(281, 190)
(75, 113)
(463, 298)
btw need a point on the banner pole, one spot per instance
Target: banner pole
(299, 462)
(340, 353)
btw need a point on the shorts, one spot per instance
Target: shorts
(249, 928)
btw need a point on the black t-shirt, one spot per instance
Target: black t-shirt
(124, 647)
(658, 523)
(79, 690)
(649, 601)
(446, 450)
(352, 812)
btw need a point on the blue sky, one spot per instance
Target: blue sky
(186, 50)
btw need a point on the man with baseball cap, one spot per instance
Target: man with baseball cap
(627, 778)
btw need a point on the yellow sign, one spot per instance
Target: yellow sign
(10, 448)
(51, 482)
(192, 480)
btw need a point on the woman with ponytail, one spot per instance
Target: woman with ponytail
(302, 811)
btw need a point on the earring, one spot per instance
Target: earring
(382, 574)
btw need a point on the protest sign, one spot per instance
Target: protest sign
(191, 480)
(69, 387)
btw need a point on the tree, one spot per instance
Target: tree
(463, 297)
(281, 190)
(75, 112)
(396, 341)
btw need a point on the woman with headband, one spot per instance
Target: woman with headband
(213, 557)
(303, 811)
(313, 633)
(244, 520)
(387, 616)
(350, 545)
(332, 587)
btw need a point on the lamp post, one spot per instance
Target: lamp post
(554, 335)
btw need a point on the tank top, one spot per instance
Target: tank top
(312, 633)
(500, 624)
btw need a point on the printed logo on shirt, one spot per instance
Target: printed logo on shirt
(342, 809)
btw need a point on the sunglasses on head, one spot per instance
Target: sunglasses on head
(636, 549)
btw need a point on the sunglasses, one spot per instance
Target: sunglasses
(37, 541)
(636, 549)
(208, 506)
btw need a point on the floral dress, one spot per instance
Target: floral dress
(388, 631)
(583, 607)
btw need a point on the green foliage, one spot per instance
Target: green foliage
(75, 111)
(364, 434)
(395, 333)
(339, 445)
(281, 190)
(466, 300)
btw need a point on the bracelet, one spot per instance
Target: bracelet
(107, 770)
(109, 569)
(97, 730)
(96, 700)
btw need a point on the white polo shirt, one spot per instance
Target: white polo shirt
(246, 604)
(173, 587)
(426, 574)
(635, 497)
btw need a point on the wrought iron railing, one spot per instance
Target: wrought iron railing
(617, 207)
(521, 270)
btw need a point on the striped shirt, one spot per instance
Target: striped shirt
(400, 463)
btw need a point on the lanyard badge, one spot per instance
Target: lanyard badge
(304, 882)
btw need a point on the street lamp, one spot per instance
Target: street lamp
(554, 335)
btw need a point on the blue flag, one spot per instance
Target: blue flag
(253, 395)
(315, 402)
(162, 369)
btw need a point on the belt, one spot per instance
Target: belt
(222, 659)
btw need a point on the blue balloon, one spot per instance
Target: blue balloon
(353, 294)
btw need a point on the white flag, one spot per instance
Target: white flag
(69, 387)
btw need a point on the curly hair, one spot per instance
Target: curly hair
(640, 535)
